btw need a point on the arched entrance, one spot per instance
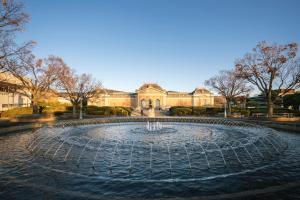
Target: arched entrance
(144, 104)
(157, 104)
(150, 103)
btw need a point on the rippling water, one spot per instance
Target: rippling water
(208, 161)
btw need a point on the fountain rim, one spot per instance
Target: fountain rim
(111, 120)
(107, 120)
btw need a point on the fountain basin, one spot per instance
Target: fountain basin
(120, 158)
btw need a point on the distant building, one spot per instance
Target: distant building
(284, 92)
(152, 94)
(261, 100)
(219, 101)
(10, 93)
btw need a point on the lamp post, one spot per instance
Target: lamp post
(80, 111)
(225, 109)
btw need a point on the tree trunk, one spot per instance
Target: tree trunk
(228, 107)
(80, 112)
(270, 104)
(35, 109)
(74, 110)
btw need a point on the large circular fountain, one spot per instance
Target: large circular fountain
(150, 158)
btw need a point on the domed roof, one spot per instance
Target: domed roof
(150, 85)
(201, 90)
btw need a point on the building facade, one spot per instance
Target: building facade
(153, 95)
(10, 94)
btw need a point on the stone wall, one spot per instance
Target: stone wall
(122, 101)
(179, 101)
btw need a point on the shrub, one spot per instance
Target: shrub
(58, 113)
(52, 107)
(128, 109)
(70, 108)
(213, 111)
(108, 111)
(120, 111)
(180, 111)
(243, 111)
(198, 111)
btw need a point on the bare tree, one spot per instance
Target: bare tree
(271, 68)
(12, 16)
(36, 76)
(12, 20)
(227, 84)
(77, 88)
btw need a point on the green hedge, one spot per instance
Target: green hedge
(203, 111)
(16, 111)
(212, 111)
(276, 111)
(53, 107)
(181, 111)
(70, 108)
(244, 111)
(194, 111)
(108, 110)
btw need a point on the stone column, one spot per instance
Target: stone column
(193, 100)
(138, 101)
(164, 101)
(106, 102)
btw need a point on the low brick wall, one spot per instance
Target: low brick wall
(12, 129)
(286, 119)
(284, 126)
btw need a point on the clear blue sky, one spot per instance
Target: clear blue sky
(177, 44)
